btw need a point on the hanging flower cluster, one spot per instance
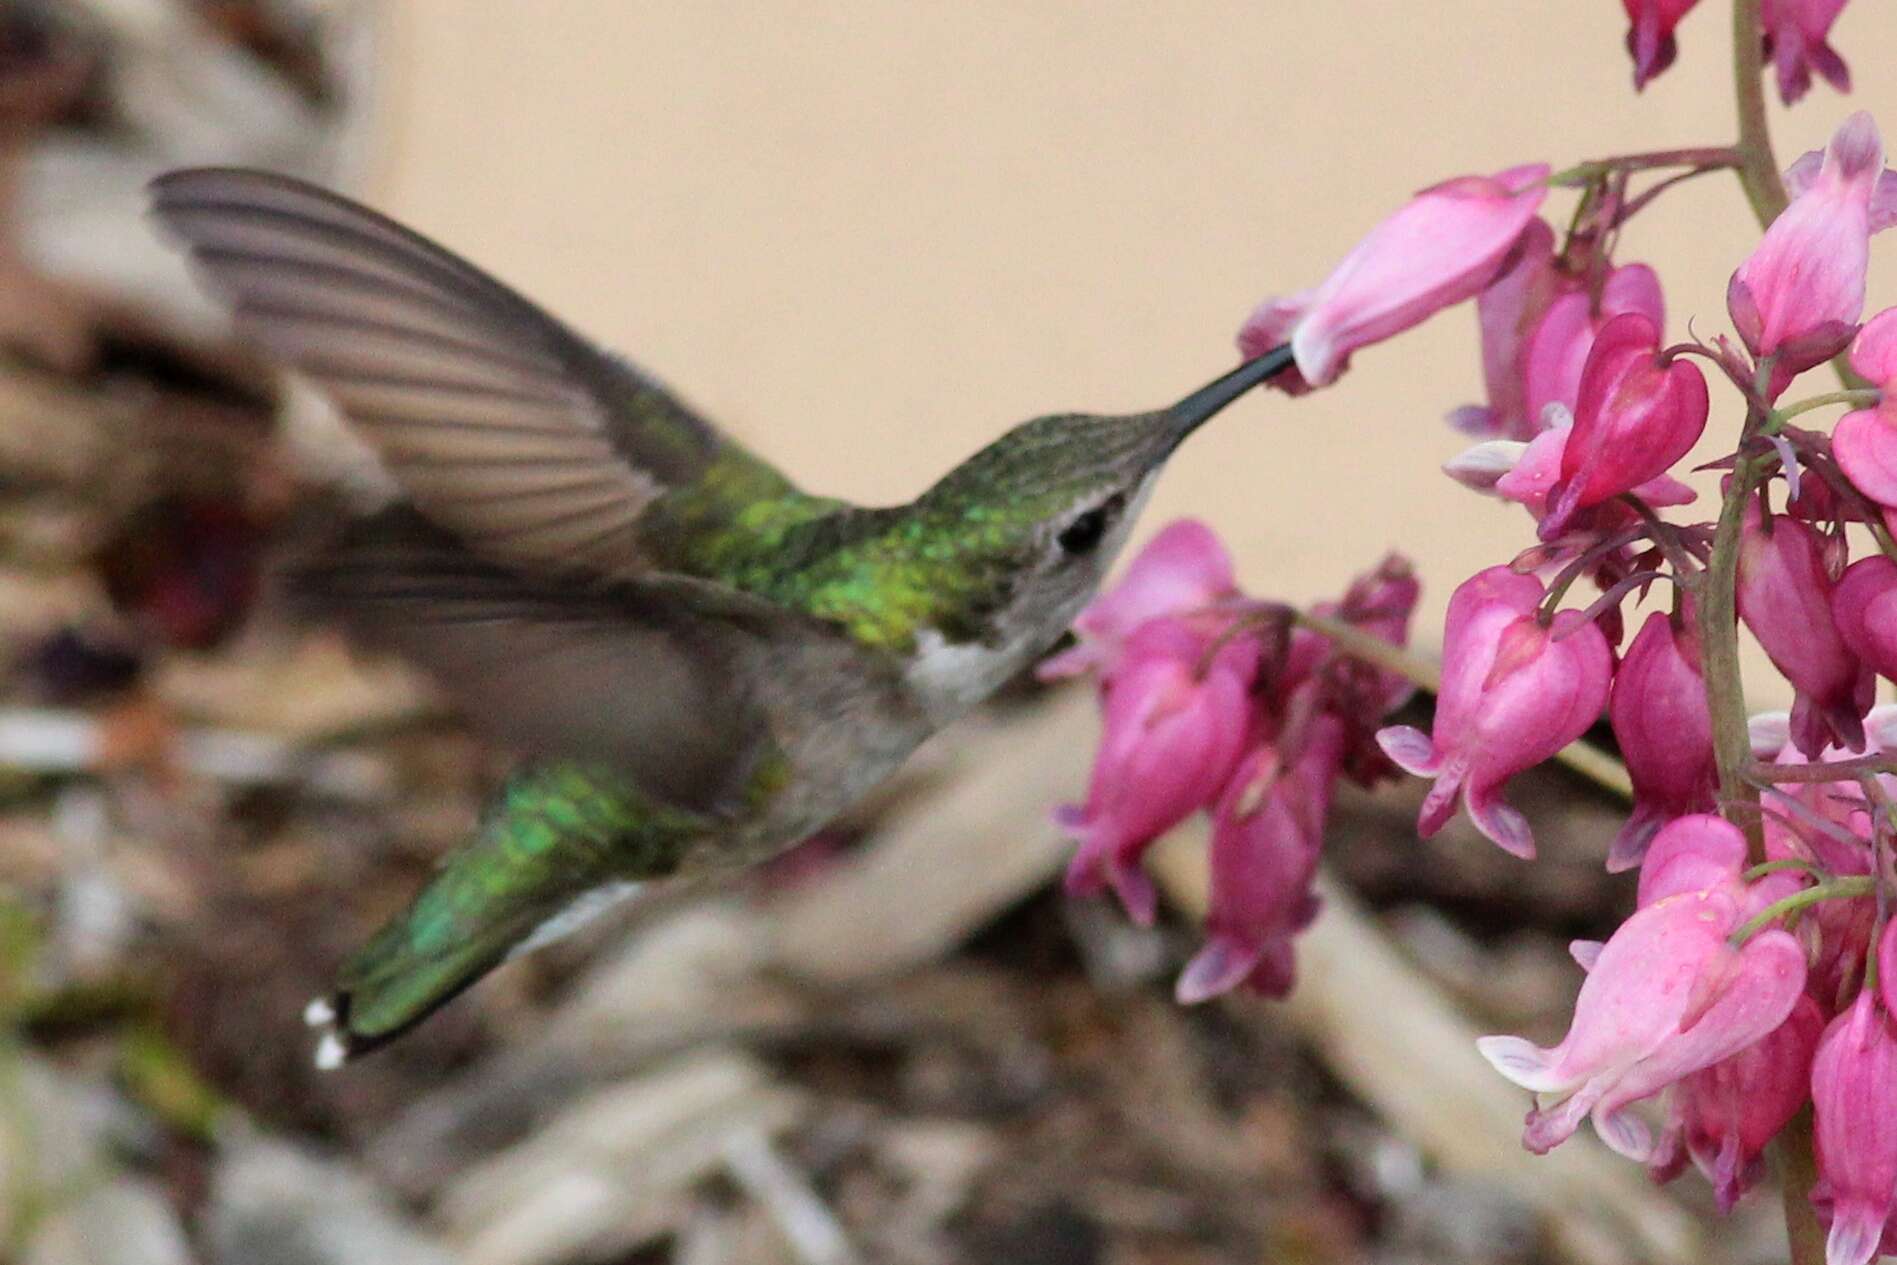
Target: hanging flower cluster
(1217, 702)
(1757, 974)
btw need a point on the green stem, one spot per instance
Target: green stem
(1848, 888)
(1708, 156)
(1856, 399)
(1757, 167)
(1717, 607)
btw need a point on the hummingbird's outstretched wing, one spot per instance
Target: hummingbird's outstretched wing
(503, 425)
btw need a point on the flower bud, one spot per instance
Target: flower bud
(1865, 441)
(1650, 35)
(1799, 295)
(1665, 730)
(1507, 312)
(1795, 34)
(1853, 1083)
(1267, 833)
(1864, 604)
(1558, 348)
(1784, 596)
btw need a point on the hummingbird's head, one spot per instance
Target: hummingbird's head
(1032, 522)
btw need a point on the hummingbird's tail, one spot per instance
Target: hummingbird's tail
(561, 845)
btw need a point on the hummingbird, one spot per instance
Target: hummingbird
(696, 663)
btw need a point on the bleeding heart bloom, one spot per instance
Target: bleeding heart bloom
(1557, 350)
(1506, 314)
(1784, 593)
(1665, 731)
(1266, 836)
(1172, 737)
(1529, 473)
(1666, 996)
(1853, 1083)
(1636, 417)
(1444, 246)
(1795, 39)
(1799, 295)
(1184, 568)
(1704, 852)
(1865, 441)
(1513, 693)
(1650, 35)
(1864, 604)
(1724, 1115)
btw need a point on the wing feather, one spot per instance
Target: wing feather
(502, 425)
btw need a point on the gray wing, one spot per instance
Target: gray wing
(503, 425)
(647, 675)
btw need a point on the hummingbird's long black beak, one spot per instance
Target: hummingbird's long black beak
(1198, 408)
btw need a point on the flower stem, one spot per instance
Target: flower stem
(1849, 888)
(1703, 156)
(1830, 771)
(1757, 168)
(1796, 1165)
(1856, 399)
(1716, 604)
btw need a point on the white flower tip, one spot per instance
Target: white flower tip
(331, 1053)
(1409, 749)
(1625, 1134)
(1854, 1238)
(1585, 952)
(1521, 1061)
(1556, 416)
(1482, 465)
(320, 1013)
(1769, 733)
(1214, 970)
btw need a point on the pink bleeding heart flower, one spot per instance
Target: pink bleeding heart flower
(1724, 1115)
(1853, 1083)
(1796, 33)
(1507, 312)
(1864, 605)
(1267, 833)
(1440, 248)
(1703, 852)
(1513, 693)
(1173, 733)
(1665, 731)
(1529, 473)
(1637, 415)
(1798, 296)
(1650, 39)
(1558, 348)
(1182, 569)
(1784, 592)
(1667, 996)
(1865, 441)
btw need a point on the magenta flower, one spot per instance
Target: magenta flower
(1637, 415)
(1666, 996)
(1795, 39)
(1853, 1083)
(1267, 833)
(1442, 247)
(1513, 693)
(1865, 441)
(1182, 569)
(1650, 35)
(1507, 312)
(1703, 852)
(1864, 606)
(1784, 592)
(1172, 736)
(1799, 295)
(1665, 731)
(1527, 473)
(1558, 348)
(1724, 1115)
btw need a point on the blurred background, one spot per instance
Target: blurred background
(867, 238)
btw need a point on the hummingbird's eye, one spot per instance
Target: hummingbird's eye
(1085, 533)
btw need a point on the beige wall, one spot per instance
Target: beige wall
(870, 236)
